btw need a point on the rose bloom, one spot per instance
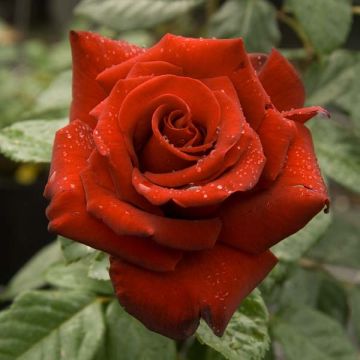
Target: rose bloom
(185, 162)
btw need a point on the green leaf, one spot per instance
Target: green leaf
(52, 325)
(325, 22)
(246, 336)
(73, 250)
(128, 339)
(308, 334)
(32, 274)
(340, 245)
(56, 98)
(99, 266)
(338, 152)
(330, 80)
(254, 20)
(355, 310)
(129, 15)
(31, 140)
(315, 289)
(75, 276)
(293, 247)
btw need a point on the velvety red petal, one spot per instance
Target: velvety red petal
(304, 114)
(276, 134)
(229, 132)
(209, 284)
(260, 220)
(242, 176)
(109, 142)
(154, 68)
(124, 219)
(253, 98)
(67, 213)
(282, 82)
(199, 58)
(92, 54)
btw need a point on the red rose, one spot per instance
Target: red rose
(185, 162)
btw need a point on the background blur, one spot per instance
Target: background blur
(322, 38)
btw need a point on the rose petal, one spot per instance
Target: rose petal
(67, 213)
(282, 82)
(154, 68)
(92, 54)
(276, 134)
(109, 142)
(241, 177)
(124, 219)
(253, 98)
(304, 114)
(208, 284)
(229, 130)
(199, 58)
(260, 220)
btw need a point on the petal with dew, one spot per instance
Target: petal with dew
(207, 284)
(255, 222)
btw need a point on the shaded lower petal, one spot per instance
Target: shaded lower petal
(282, 82)
(208, 284)
(68, 217)
(255, 222)
(124, 219)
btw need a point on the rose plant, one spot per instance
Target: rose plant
(185, 162)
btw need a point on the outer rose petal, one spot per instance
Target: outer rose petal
(67, 213)
(253, 98)
(260, 220)
(208, 284)
(199, 58)
(92, 54)
(304, 114)
(276, 134)
(282, 82)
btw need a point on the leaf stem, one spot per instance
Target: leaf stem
(296, 27)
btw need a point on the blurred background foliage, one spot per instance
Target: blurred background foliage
(313, 295)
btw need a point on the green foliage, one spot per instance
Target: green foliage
(338, 151)
(73, 250)
(32, 274)
(325, 22)
(75, 276)
(317, 290)
(128, 339)
(292, 248)
(246, 336)
(31, 140)
(55, 100)
(254, 20)
(128, 14)
(341, 245)
(308, 334)
(52, 325)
